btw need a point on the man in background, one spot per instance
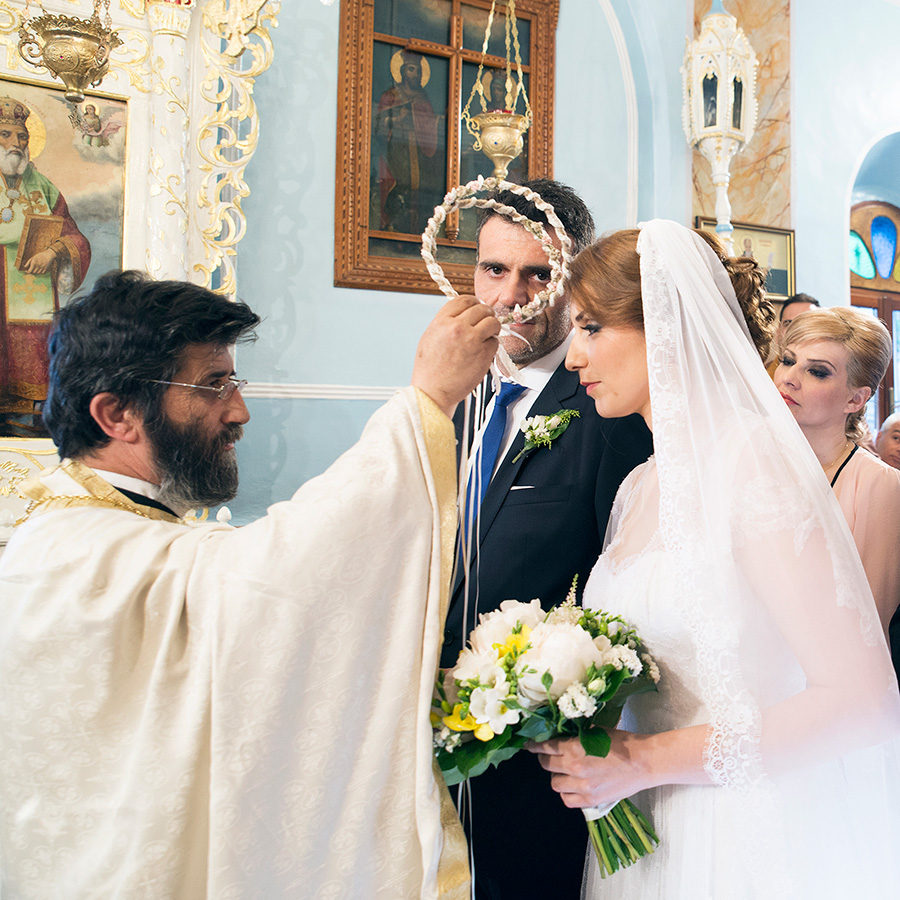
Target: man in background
(204, 711)
(887, 444)
(790, 309)
(542, 521)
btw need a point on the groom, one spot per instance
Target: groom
(542, 520)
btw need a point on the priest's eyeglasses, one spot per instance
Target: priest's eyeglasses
(224, 391)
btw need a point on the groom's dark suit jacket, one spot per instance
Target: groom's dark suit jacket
(543, 520)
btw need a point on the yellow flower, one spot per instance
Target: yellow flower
(483, 732)
(515, 643)
(454, 723)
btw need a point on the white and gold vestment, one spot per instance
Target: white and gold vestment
(205, 711)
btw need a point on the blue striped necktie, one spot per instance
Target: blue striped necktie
(493, 434)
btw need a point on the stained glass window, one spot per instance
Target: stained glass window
(860, 259)
(884, 244)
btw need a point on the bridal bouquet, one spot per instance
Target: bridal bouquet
(528, 675)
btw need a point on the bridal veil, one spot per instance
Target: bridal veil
(804, 711)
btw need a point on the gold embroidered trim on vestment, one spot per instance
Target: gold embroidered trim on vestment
(101, 493)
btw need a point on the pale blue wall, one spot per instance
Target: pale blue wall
(316, 333)
(846, 97)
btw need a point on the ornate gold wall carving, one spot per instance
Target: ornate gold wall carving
(227, 138)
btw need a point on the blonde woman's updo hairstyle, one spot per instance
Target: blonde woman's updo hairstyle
(605, 282)
(868, 345)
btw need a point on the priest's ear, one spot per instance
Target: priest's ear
(117, 420)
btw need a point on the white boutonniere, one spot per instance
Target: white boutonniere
(542, 431)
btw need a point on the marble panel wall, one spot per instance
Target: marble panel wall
(760, 190)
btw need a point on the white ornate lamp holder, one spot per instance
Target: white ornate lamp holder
(719, 111)
(464, 197)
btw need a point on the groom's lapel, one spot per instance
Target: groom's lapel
(558, 391)
(560, 388)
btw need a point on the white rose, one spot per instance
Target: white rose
(602, 643)
(553, 422)
(488, 707)
(528, 423)
(481, 665)
(495, 627)
(564, 650)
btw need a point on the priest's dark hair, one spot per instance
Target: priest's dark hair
(126, 332)
(571, 210)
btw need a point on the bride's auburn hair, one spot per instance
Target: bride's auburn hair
(605, 282)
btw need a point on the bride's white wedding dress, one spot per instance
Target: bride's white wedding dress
(835, 816)
(728, 552)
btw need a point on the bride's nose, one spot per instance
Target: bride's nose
(575, 358)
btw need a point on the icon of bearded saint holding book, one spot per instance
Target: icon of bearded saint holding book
(44, 256)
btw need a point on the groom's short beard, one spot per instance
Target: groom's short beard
(14, 161)
(195, 469)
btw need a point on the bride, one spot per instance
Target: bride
(768, 761)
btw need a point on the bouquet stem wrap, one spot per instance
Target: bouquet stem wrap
(620, 835)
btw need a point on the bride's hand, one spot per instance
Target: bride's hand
(583, 780)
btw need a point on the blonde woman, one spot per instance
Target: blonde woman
(831, 363)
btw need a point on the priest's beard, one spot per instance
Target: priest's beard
(195, 468)
(14, 161)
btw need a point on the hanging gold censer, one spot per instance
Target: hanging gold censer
(74, 50)
(499, 132)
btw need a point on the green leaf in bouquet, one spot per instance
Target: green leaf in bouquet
(608, 715)
(474, 757)
(596, 742)
(469, 756)
(613, 682)
(640, 685)
(539, 726)
(493, 758)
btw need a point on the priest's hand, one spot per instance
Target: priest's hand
(455, 351)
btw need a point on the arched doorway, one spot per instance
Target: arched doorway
(875, 286)
(875, 258)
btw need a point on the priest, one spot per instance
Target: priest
(206, 711)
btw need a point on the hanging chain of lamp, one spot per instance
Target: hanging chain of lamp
(499, 132)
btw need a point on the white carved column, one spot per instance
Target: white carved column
(167, 210)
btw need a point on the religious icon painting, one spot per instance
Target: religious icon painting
(772, 248)
(401, 143)
(62, 216)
